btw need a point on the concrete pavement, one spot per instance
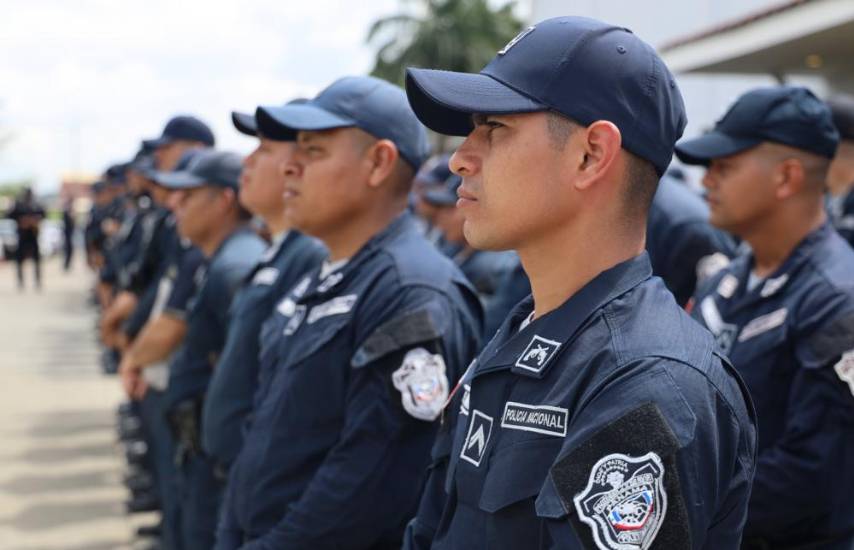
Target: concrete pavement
(60, 465)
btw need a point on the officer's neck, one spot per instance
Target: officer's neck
(774, 239)
(277, 224)
(221, 231)
(561, 263)
(347, 238)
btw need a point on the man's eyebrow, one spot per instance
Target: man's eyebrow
(478, 119)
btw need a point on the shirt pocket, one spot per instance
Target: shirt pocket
(517, 475)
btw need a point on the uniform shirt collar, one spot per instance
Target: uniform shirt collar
(324, 285)
(554, 330)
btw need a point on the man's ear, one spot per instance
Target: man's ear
(382, 157)
(790, 178)
(600, 145)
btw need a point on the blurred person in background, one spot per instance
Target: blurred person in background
(28, 215)
(69, 224)
(784, 312)
(840, 177)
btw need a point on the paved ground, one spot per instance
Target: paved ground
(60, 466)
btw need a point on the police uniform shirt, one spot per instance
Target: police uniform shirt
(842, 210)
(609, 423)
(791, 338)
(207, 320)
(336, 449)
(235, 377)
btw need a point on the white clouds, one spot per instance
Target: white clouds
(84, 81)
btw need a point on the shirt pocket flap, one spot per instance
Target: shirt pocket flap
(518, 472)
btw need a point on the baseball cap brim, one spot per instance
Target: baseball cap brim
(177, 180)
(245, 123)
(444, 101)
(714, 145)
(278, 121)
(156, 143)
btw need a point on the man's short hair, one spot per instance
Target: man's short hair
(642, 177)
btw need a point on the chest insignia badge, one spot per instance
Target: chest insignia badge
(477, 438)
(538, 354)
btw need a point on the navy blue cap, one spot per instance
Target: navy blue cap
(435, 171)
(206, 167)
(247, 123)
(116, 174)
(789, 115)
(373, 105)
(183, 127)
(446, 194)
(584, 69)
(842, 110)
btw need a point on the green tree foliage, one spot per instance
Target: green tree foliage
(454, 35)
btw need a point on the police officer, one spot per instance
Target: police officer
(840, 176)
(600, 415)
(182, 133)
(28, 215)
(356, 362)
(289, 257)
(785, 312)
(680, 240)
(208, 213)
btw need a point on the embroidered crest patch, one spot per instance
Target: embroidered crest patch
(624, 502)
(537, 354)
(422, 383)
(477, 438)
(845, 369)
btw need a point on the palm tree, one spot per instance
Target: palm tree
(455, 35)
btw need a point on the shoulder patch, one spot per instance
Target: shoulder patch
(624, 502)
(423, 384)
(845, 369)
(623, 485)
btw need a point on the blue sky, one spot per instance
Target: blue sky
(83, 81)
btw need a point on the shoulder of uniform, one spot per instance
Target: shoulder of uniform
(416, 262)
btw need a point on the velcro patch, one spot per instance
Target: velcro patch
(630, 456)
(542, 419)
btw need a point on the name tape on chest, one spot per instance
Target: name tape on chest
(336, 306)
(422, 383)
(763, 324)
(477, 438)
(537, 354)
(624, 502)
(771, 286)
(265, 276)
(542, 419)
